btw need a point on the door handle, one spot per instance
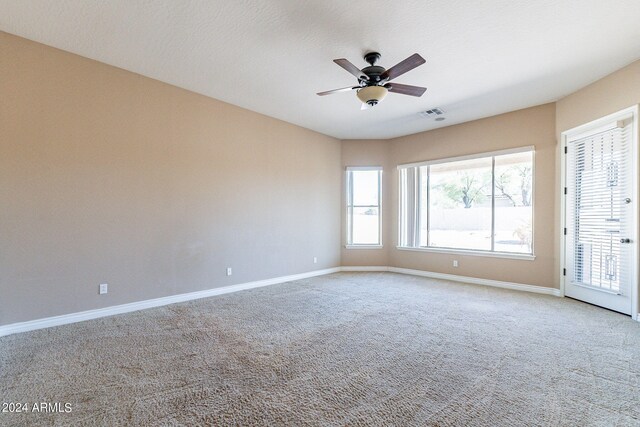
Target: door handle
(625, 240)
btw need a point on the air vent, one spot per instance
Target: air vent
(434, 112)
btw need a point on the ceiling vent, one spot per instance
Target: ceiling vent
(434, 112)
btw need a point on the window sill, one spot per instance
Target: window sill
(363, 246)
(506, 255)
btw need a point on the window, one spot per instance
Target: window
(364, 188)
(480, 203)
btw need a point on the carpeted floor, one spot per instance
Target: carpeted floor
(358, 349)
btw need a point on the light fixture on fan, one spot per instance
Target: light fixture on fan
(371, 95)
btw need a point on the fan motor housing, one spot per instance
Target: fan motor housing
(374, 72)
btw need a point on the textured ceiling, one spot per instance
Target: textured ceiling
(484, 57)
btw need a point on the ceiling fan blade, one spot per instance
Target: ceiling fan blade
(351, 68)
(405, 89)
(344, 89)
(403, 66)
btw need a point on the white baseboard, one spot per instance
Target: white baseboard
(64, 319)
(478, 281)
(363, 268)
(463, 279)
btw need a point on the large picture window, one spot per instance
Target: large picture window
(364, 189)
(478, 203)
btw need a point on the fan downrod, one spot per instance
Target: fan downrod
(371, 57)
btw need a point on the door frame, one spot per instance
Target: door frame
(592, 127)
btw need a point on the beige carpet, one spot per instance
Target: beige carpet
(358, 349)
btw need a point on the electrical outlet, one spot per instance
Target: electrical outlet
(104, 288)
(315, 259)
(455, 262)
(229, 271)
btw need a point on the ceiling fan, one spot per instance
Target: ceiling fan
(373, 81)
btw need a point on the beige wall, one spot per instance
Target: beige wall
(108, 176)
(532, 126)
(613, 93)
(368, 153)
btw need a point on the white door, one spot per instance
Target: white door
(600, 264)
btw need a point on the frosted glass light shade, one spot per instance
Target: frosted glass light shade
(372, 93)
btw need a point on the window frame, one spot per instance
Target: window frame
(463, 251)
(350, 206)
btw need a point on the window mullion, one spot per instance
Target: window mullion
(493, 203)
(416, 208)
(380, 207)
(350, 213)
(428, 206)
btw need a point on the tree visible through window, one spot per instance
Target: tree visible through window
(483, 203)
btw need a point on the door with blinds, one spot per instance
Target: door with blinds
(599, 216)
